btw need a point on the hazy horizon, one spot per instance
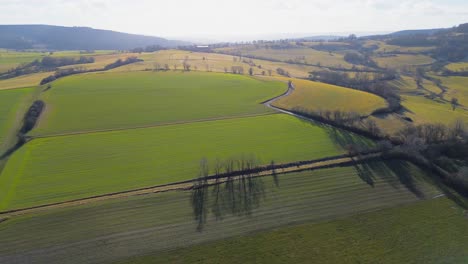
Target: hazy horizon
(239, 20)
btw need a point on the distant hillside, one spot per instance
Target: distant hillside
(324, 38)
(417, 32)
(74, 38)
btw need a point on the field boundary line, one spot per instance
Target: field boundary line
(329, 162)
(149, 126)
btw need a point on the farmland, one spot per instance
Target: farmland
(62, 168)
(202, 61)
(137, 225)
(397, 61)
(12, 107)
(362, 238)
(318, 96)
(161, 98)
(296, 55)
(342, 150)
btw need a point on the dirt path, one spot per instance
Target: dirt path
(187, 185)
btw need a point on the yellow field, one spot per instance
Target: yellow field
(459, 66)
(398, 61)
(384, 47)
(314, 96)
(24, 81)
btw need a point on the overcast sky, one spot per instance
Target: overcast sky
(220, 19)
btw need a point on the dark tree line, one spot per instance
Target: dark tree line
(47, 63)
(439, 148)
(31, 116)
(67, 72)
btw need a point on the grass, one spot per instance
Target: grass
(426, 232)
(12, 104)
(152, 224)
(384, 47)
(23, 81)
(202, 61)
(125, 100)
(424, 110)
(54, 169)
(398, 61)
(458, 66)
(458, 88)
(297, 54)
(316, 96)
(11, 59)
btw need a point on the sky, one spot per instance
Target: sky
(238, 19)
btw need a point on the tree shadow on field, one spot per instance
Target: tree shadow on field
(365, 173)
(237, 196)
(396, 173)
(340, 137)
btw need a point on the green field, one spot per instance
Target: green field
(320, 96)
(426, 232)
(13, 104)
(141, 225)
(53, 169)
(123, 100)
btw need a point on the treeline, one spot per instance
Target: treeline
(66, 72)
(31, 116)
(440, 148)
(375, 83)
(47, 63)
(151, 48)
(360, 59)
(120, 62)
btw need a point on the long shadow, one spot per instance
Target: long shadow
(340, 137)
(403, 172)
(365, 173)
(396, 173)
(238, 196)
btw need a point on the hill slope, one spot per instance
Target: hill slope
(74, 38)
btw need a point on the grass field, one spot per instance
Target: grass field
(424, 110)
(426, 232)
(11, 59)
(458, 88)
(201, 61)
(115, 229)
(23, 81)
(385, 48)
(12, 108)
(123, 100)
(459, 66)
(55, 169)
(316, 96)
(398, 61)
(298, 54)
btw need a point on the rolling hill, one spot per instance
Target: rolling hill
(74, 38)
